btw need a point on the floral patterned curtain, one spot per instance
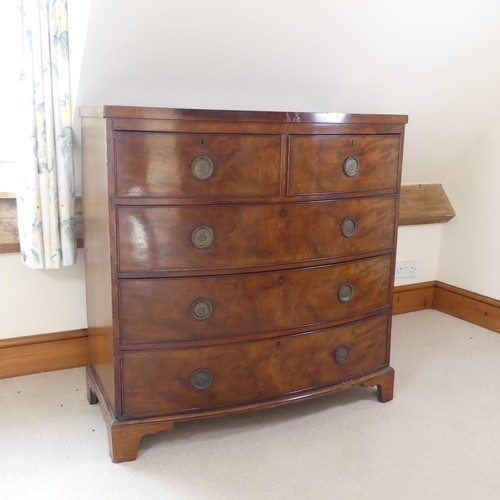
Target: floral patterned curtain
(45, 201)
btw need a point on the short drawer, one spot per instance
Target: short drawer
(192, 165)
(342, 163)
(173, 381)
(223, 237)
(191, 309)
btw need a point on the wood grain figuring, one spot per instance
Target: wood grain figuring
(316, 163)
(40, 353)
(159, 238)
(469, 306)
(424, 204)
(417, 297)
(160, 381)
(160, 310)
(244, 165)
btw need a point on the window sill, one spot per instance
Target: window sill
(9, 238)
(9, 235)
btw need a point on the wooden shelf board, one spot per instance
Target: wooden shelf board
(424, 204)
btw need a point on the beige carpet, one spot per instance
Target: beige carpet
(438, 439)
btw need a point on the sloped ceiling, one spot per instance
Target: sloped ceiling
(436, 61)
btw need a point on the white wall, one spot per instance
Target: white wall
(38, 301)
(422, 244)
(470, 247)
(78, 17)
(431, 60)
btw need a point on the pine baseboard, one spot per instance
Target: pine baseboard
(59, 351)
(469, 306)
(41, 353)
(410, 298)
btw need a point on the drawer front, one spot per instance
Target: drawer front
(223, 237)
(187, 309)
(192, 165)
(337, 163)
(171, 381)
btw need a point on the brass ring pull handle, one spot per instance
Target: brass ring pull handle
(201, 378)
(202, 237)
(351, 166)
(201, 309)
(348, 226)
(341, 354)
(202, 168)
(345, 292)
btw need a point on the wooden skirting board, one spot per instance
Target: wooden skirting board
(410, 298)
(40, 353)
(58, 351)
(469, 306)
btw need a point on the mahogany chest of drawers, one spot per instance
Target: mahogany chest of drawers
(235, 260)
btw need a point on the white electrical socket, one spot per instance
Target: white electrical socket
(406, 269)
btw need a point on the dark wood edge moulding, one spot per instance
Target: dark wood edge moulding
(239, 116)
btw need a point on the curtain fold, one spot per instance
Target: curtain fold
(46, 194)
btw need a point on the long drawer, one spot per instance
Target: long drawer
(192, 165)
(342, 163)
(172, 381)
(200, 308)
(170, 238)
